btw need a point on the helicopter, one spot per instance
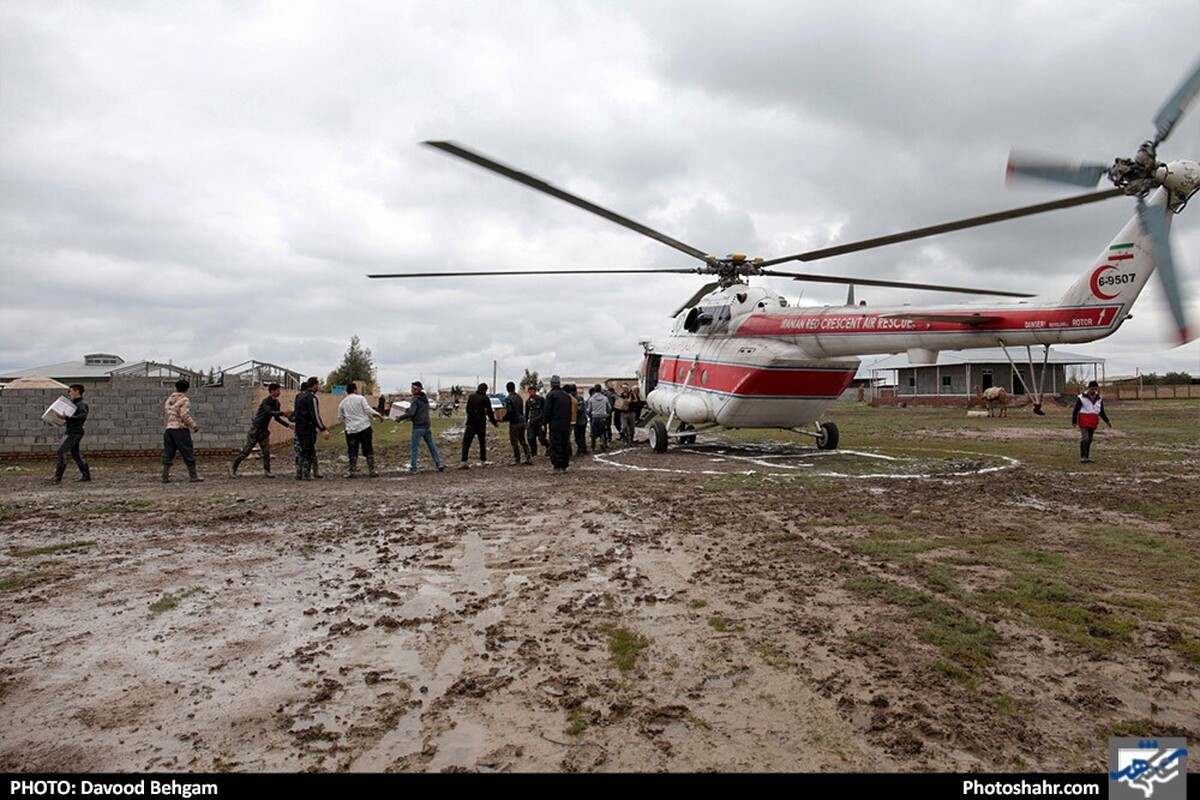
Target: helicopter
(739, 356)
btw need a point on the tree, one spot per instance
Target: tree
(356, 366)
(530, 379)
(1177, 378)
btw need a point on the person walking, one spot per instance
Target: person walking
(354, 413)
(598, 413)
(178, 435)
(260, 431)
(1088, 411)
(514, 415)
(422, 430)
(307, 419)
(535, 424)
(74, 435)
(479, 413)
(558, 420)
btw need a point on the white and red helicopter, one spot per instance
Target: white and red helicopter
(738, 356)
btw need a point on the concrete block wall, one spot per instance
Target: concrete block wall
(126, 417)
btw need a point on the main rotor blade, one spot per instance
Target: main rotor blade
(541, 186)
(801, 276)
(691, 301)
(1076, 172)
(1174, 109)
(934, 230)
(1156, 224)
(688, 271)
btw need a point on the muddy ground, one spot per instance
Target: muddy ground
(730, 607)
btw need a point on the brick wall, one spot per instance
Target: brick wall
(126, 417)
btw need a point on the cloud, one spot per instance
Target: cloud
(211, 183)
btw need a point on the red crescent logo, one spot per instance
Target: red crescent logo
(1095, 283)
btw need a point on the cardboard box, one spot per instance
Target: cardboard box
(62, 405)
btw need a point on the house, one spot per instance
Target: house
(959, 375)
(96, 370)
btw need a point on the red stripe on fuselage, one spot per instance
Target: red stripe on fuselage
(745, 380)
(857, 324)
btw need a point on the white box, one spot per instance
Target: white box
(60, 406)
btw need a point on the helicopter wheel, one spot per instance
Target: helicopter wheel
(828, 440)
(658, 437)
(687, 439)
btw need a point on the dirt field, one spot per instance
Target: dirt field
(943, 594)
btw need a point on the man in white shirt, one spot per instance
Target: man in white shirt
(355, 414)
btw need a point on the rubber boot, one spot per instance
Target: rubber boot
(85, 473)
(1084, 452)
(166, 476)
(193, 477)
(371, 467)
(300, 469)
(58, 473)
(233, 469)
(316, 469)
(352, 470)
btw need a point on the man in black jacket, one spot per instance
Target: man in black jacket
(307, 419)
(74, 431)
(534, 422)
(558, 420)
(479, 413)
(260, 431)
(514, 415)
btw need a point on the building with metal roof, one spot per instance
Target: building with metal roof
(958, 375)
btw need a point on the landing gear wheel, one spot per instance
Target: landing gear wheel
(828, 440)
(658, 437)
(687, 439)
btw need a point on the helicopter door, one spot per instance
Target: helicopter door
(650, 373)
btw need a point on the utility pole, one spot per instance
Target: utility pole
(493, 376)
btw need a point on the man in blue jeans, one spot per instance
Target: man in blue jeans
(418, 412)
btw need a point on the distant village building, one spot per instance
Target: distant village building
(958, 375)
(97, 369)
(126, 401)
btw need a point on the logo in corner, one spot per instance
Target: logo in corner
(1139, 769)
(1095, 283)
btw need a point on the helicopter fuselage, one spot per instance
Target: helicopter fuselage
(743, 357)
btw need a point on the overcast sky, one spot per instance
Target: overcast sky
(210, 182)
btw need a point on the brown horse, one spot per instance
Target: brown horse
(995, 400)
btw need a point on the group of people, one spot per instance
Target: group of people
(532, 420)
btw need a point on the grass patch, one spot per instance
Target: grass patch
(54, 548)
(698, 603)
(894, 544)
(169, 601)
(624, 646)
(1161, 558)
(1049, 603)
(772, 655)
(719, 623)
(18, 582)
(724, 483)
(963, 642)
(1144, 729)
(579, 719)
(1187, 646)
